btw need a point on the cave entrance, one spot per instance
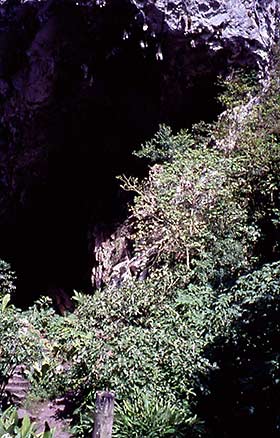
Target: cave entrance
(108, 97)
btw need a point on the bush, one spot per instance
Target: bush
(213, 209)
(209, 210)
(241, 394)
(151, 418)
(20, 343)
(153, 338)
(238, 88)
(7, 279)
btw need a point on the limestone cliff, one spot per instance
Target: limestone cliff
(246, 28)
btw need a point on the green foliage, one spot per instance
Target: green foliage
(197, 209)
(238, 88)
(246, 382)
(12, 427)
(163, 146)
(49, 364)
(151, 418)
(136, 340)
(20, 342)
(208, 208)
(7, 279)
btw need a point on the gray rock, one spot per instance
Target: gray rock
(245, 27)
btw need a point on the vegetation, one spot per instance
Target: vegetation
(12, 427)
(20, 342)
(205, 321)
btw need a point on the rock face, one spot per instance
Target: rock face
(114, 258)
(84, 82)
(247, 28)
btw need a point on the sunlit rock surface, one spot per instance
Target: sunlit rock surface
(246, 27)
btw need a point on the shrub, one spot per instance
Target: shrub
(215, 210)
(238, 88)
(151, 418)
(208, 210)
(20, 343)
(154, 338)
(7, 279)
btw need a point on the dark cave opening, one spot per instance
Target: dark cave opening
(108, 96)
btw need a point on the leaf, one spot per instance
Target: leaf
(5, 302)
(46, 434)
(26, 426)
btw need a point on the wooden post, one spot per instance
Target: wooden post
(104, 414)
